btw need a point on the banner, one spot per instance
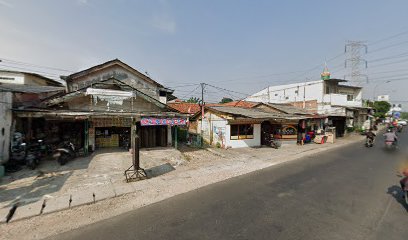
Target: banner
(162, 121)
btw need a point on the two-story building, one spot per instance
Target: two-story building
(342, 103)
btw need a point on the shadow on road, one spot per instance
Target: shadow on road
(397, 193)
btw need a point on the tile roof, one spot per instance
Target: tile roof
(184, 107)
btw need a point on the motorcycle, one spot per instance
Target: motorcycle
(369, 142)
(390, 145)
(399, 128)
(275, 143)
(65, 153)
(35, 152)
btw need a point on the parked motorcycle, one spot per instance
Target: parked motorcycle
(35, 152)
(65, 153)
(275, 143)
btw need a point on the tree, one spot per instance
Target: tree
(226, 100)
(381, 108)
(404, 115)
(193, 100)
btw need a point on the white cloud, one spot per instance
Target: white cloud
(6, 4)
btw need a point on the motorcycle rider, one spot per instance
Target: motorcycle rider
(390, 136)
(370, 135)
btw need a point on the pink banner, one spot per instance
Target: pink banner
(162, 121)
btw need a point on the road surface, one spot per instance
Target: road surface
(348, 193)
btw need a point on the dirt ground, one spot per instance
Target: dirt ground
(101, 168)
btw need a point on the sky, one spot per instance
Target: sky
(239, 45)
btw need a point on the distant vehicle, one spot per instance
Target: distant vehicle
(402, 122)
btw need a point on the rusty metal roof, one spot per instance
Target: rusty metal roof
(253, 113)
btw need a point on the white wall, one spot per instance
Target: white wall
(295, 92)
(221, 133)
(255, 142)
(5, 125)
(14, 78)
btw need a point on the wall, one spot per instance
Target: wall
(311, 105)
(255, 142)
(119, 73)
(217, 130)
(341, 99)
(88, 104)
(14, 78)
(295, 92)
(5, 125)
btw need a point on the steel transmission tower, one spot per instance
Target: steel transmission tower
(355, 49)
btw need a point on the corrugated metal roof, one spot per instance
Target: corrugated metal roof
(289, 109)
(21, 88)
(53, 81)
(253, 113)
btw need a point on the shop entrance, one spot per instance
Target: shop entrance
(112, 137)
(152, 136)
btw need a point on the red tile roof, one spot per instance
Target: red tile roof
(183, 107)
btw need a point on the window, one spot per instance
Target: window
(242, 131)
(327, 89)
(350, 97)
(297, 92)
(276, 94)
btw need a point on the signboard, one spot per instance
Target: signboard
(162, 121)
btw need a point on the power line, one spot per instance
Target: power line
(35, 65)
(28, 70)
(388, 38)
(190, 93)
(389, 46)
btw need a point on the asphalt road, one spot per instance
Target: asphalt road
(348, 193)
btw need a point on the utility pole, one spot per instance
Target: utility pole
(202, 112)
(354, 60)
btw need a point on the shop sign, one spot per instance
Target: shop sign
(162, 121)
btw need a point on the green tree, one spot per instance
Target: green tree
(404, 115)
(193, 100)
(381, 108)
(226, 100)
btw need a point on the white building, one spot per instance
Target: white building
(342, 103)
(385, 98)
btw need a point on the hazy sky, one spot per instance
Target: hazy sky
(238, 45)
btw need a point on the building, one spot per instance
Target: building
(385, 98)
(105, 106)
(341, 103)
(19, 89)
(235, 127)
